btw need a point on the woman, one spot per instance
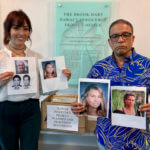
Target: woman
(129, 105)
(94, 100)
(49, 71)
(19, 114)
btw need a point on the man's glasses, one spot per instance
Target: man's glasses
(124, 36)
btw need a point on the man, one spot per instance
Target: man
(124, 68)
(26, 81)
(16, 82)
(20, 67)
(129, 100)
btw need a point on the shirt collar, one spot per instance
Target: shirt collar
(129, 58)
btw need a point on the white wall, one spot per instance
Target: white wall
(41, 15)
(138, 13)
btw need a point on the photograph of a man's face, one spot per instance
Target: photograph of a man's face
(49, 69)
(21, 66)
(128, 102)
(26, 81)
(16, 82)
(125, 104)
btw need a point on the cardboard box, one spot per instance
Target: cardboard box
(90, 124)
(48, 101)
(63, 98)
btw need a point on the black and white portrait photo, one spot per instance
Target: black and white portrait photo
(25, 75)
(26, 81)
(16, 82)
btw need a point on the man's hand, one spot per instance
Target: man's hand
(78, 108)
(5, 78)
(145, 108)
(67, 73)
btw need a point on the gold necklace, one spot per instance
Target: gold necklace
(13, 48)
(17, 52)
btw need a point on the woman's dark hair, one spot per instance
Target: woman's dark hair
(48, 63)
(18, 18)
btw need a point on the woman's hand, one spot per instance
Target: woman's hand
(145, 108)
(67, 73)
(78, 108)
(5, 78)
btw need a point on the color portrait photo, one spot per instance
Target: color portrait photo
(125, 106)
(21, 66)
(94, 93)
(49, 69)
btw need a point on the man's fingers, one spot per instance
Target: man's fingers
(78, 108)
(78, 115)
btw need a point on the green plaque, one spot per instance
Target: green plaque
(81, 35)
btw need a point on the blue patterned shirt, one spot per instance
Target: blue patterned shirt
(134, 72)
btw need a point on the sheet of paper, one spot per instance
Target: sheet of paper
(120, 102)
(25, 75)
(61, 118)
(51, 74)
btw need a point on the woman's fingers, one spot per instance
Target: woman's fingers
(5, 77)
(67, 73)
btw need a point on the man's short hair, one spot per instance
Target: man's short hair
(26, 76)
(129, 94)
(121, 21)
(17, 76)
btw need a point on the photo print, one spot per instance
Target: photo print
(21, 66)
(16, 82)
(94, 93)
(49, 69)
(26, 81)
(125, 106)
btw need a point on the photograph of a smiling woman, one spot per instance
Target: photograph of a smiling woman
(94, 95)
